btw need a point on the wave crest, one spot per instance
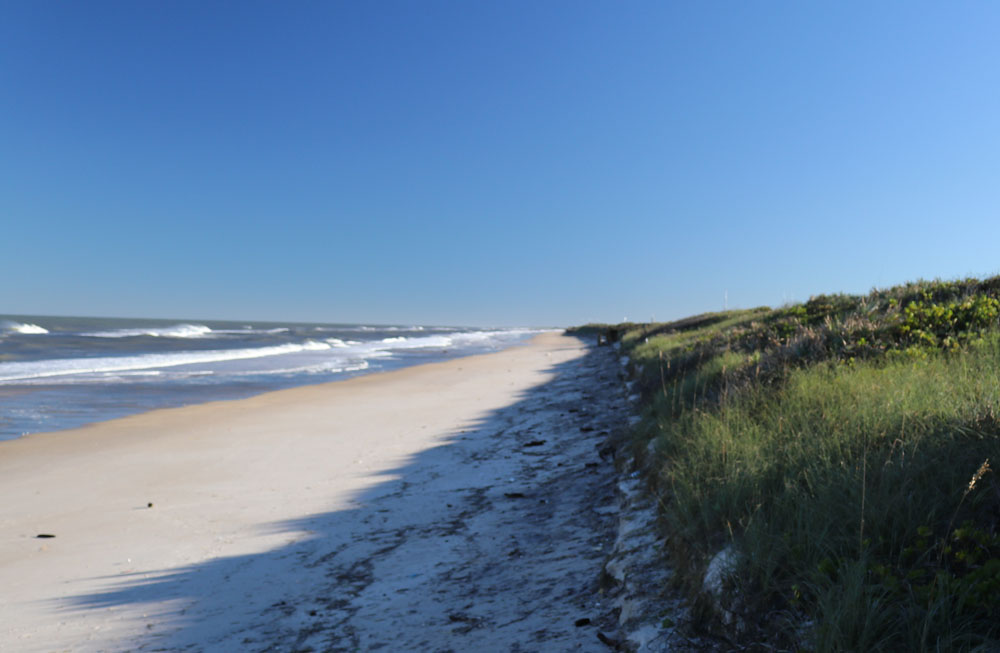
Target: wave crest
(8, 326)
(176, 331)
(23, 370)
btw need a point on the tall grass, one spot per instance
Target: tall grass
(844, 483)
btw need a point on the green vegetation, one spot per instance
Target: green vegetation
(839, 448)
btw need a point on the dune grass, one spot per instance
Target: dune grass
(840, 448)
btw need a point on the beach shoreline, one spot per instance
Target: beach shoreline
(59, 373)
(186, 525)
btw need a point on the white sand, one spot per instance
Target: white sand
(337, 517)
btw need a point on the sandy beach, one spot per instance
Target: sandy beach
(464, 505)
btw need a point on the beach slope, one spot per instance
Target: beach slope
(463, 505)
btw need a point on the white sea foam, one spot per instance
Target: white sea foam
(176, 331)
(389, 329)
(425, 342)
(333, 366)
(493, 339)
(18, 327)
(20, 371)
(501, 336)
(311, 356)
(265, 357)
(249, 329)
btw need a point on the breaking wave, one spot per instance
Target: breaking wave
(23, 328)
(21, 371)
(176, 331)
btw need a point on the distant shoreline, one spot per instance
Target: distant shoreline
(69, 372)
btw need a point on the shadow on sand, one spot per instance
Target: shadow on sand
(494, 540)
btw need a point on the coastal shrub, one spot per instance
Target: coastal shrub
(841, 447)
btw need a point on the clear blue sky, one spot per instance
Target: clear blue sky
(490, 162)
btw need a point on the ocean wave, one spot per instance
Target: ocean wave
(490, 339)
(499, 336)
(334, 366)
(21, 371)
(496, 338)
(389, 329)
(252, 331)
(340, 344)
(385, 347)
(8, 326)
(309, 356)
(424, 342)
(176, 331)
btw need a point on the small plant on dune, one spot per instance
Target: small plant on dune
(947, 324)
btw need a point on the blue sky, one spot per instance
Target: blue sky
(543, 163)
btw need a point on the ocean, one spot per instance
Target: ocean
(63, 372)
